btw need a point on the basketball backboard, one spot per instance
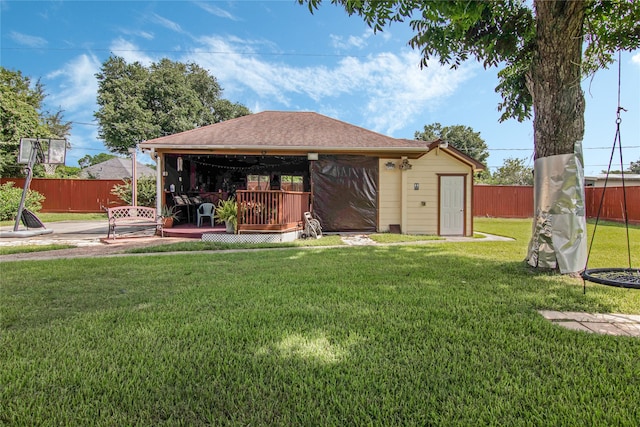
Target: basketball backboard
(53, 151)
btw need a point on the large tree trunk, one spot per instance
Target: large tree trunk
(559, 229)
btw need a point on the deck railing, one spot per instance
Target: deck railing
(268, 210)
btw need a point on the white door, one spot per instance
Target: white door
(452, 205)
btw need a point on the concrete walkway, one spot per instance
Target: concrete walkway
(610, 324)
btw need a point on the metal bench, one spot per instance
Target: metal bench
(133, 216)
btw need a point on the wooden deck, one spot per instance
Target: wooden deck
(191, 231)
(258, 212)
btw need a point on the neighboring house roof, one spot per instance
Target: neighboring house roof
(285, 131)
(616, 176)
(631, 179)
(116, 168)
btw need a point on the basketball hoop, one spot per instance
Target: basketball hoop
(33, 151)
(49, 151)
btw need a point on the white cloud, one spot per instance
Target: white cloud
(636, 58)
(27, 40)
(138, 33)
(397, 88)
(167, 23)
(78, 85)
(216, 11)
(387, 89)
(358, 42)
(130, 52)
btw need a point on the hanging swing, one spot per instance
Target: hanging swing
(620, 277)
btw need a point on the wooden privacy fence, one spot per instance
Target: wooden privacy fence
(503, 201)
(73, 195)
(613, 203)
(499, 201)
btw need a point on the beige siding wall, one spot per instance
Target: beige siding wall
(389, 196)
(422, 204)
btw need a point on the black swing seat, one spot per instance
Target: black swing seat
(30, 220)
(620, 277)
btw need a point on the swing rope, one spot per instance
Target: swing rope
(623, 277)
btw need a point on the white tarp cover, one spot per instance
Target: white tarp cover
(559, 235)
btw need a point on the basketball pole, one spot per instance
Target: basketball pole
(35, 152)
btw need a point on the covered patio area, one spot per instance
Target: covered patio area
(258, 211)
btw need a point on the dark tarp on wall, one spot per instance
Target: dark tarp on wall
(345, 192)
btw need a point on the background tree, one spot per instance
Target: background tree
(124, 118)
(21, 117)
(89, 160)
(634, 167)
(145, 188)
(224, 109)
(541, 49)
(461, 137)
(63, 171)
(512, 172)
(138, 103)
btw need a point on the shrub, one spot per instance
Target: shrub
(10, 201)
(146, 191)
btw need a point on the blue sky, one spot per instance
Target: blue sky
(275, 55)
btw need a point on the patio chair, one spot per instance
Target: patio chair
(205, 210)
(184, 203)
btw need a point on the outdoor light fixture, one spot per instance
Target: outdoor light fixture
(405, 165)
(443, 144)
(312, 156)
(390, 165)
(179, 166)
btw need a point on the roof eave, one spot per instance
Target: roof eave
(298, 148)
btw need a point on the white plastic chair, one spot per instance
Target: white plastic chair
(205, 210)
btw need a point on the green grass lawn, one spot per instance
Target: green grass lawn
(8, 250)
(440, 334)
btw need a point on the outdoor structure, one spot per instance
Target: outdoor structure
(613, 180)
(279, 165)
(115, 168)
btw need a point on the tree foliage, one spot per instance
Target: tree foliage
(21, 117)
(137, 103)
(89, 160)
(63, 171)
(145, 191)
(634, 167)
(512, 172)
(463, 138)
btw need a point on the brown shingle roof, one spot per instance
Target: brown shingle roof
(285, 130)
